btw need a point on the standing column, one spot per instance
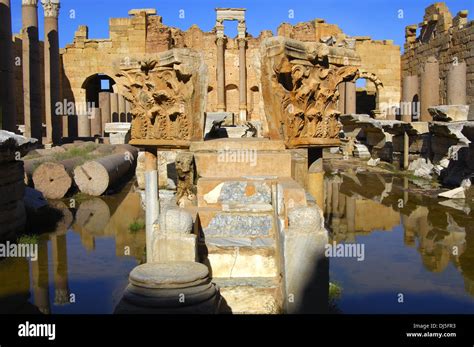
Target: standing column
(242, 80)
(221, 74)
(122, 110)
(429, 87)
(350, 97)
(341, 106)
(114, 108)
(104, 104)
(51, 71)
(409, 90)
(7, 78)
(457, 84)
(31, 71)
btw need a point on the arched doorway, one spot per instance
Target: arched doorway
(96, 84)
(368, 88)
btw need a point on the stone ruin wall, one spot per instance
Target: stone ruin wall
(144, 34)
(453, 38)
(380, 57)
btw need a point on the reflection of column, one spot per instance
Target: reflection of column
(408, 234)
(429, 87)
(350, 214)
(409, 90)
(59, 252)
(51, 70)
(457, 84)
(7, 77)
(242, 80)
(221, 74)
(39, 273)
(342, 98)
(350, 97)
(31, 71)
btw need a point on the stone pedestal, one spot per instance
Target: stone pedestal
(31, 70)
(119, 132)
(51, 71)
(7, 78)
(96, 122)
(409, 91)
(429, 88)
(170, 288)
(83, 125)
(221, 74)
(456, 84)
(350, 98)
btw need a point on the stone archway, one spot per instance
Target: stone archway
(371, 97)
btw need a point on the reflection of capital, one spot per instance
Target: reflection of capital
(51, 8)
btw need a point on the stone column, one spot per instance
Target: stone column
(350, 97)
(84, 124)
(96, 122)
(114, 108)
(104, 104)
(409, 90)
(242, 80)
(456, 84)
(429, 87)
(60, 268)
(122, 109)
(31, 71)
(221, 74)
(342, 98)
(7, 77)
(51, 71)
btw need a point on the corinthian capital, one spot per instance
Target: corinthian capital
(29, 2)
(51, 8)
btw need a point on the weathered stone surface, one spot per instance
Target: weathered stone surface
(241, 224)
(421, 167)
(305, 101)
(186, 190)
(449, 113)
(174, 247)
(168, 96)
(176, 221)
(305, 219)
(169, 275)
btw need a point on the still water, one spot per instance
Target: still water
(83, 266)
(419, 254)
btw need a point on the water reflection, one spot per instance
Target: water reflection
(83, 266)
(414, 245)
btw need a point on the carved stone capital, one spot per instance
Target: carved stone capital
(241, 42)
(51, 8)
(220, 41)
(29, 2)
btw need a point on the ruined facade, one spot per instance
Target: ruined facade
(438, 63)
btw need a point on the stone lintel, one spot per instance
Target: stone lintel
(138, 11)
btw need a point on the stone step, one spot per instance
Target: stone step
(240, 256)
(215, 222)
(243, 162)
(250, 295)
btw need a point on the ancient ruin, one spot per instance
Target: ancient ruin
(230, 173)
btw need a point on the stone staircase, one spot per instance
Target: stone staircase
(238, 242)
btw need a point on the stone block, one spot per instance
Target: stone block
(174, 247)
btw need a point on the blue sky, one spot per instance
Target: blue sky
(375, 18)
